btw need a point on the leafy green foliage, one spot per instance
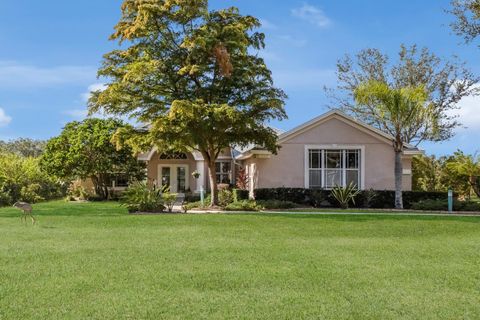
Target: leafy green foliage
(193, 76)
(345, 195)
(459, 172)
(225, 197)
(442, 205)
(245, 205)
(404, 113)
(139, 197)
(276, 204)
(169, 200)
(445, 82)
(239, 194)
(22, 179)
(84, 150)
(23, 147)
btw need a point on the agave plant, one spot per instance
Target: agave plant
(345, 195)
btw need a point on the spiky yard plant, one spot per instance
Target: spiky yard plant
(345, 195)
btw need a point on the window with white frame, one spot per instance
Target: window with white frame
(224, 171)
(328, 168)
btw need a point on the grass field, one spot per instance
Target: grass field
(93, 261)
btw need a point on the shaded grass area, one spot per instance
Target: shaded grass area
(93, 260)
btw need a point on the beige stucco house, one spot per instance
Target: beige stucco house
(332, 149)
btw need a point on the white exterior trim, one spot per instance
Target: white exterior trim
(333, 147)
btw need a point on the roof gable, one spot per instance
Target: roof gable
(335, 114)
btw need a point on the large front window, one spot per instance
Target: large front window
(223, 171)
(329, 168)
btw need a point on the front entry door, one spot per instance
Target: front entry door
(175, 177)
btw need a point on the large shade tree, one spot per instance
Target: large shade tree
(85, 150)
(445, 84)
(403, 113)
(193, 76)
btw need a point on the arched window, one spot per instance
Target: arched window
(174, 156)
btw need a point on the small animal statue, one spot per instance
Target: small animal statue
(27, 210)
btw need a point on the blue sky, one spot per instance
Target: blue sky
(50, 51)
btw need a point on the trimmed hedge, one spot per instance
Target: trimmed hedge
(240, 195)
(381, 199)
(442, 205)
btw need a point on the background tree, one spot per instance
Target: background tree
(446, 82)
(427, 173)
(440, 174)
(193, 76)
(84, 150)
(468, 167)
(404, 113)
(24, 147)
(467, 22)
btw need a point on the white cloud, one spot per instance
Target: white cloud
(4, 118)
(266, 24)
(289, 40)
(91, 88)
(312, 14)
(468, 112)
(16, 75)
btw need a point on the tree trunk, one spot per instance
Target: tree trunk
(213, 183)
(398, 180)
(100, 186)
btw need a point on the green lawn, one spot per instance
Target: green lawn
(93, 261)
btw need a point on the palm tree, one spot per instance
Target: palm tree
(404, 113)
(467, 166)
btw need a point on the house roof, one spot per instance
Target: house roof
(285, 136)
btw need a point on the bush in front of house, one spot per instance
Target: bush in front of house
(240, 194)
(345, 196)
(381, 199)
(225, 197)
(276, 204)
(442, 205)
(138, 197)
(244, 205)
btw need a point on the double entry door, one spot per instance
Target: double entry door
(174, 176)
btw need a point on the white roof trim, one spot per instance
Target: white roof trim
(251, 153)
(147, 156)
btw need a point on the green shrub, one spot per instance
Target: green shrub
(466, 206)
(366, 198)
(21, 178)
(139, 197)
(31, 193)
(5, 198)
(442, 205)
(245, 205)
(345, 195)
(240, 194)
(77, 192)
(169, 200)
(276, 204)
(225, 197)
(434, 205)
